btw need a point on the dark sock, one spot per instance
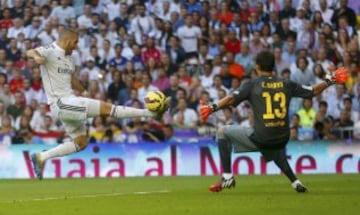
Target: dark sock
(225, 154)
(283, 164)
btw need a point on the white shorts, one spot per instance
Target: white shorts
(73, 113)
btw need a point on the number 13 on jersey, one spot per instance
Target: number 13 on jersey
(270, 100)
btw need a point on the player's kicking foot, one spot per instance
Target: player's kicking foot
(159, 114)
(38, 165)
(224, 183)
(299, 187)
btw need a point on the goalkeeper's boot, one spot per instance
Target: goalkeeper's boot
(158, 115)
(38, 165)
(299, 187)
(224, 183)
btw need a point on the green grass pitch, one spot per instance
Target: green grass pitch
(329, 194)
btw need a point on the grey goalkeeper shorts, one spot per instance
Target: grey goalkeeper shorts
(239, 137)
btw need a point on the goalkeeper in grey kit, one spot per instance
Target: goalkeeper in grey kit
(269, 97)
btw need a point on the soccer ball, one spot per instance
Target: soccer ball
(154, 100)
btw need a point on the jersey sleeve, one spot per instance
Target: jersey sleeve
(242, 93)
(43, 51)
(301, 91)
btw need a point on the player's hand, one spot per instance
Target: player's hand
(339, 75)
(39, 60)
(205, 111)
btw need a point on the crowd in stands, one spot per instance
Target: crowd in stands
(188, 49)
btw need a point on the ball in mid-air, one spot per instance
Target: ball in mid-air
(154, 100)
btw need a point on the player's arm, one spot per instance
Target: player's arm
(75, 83)
(33, 53)
(339, 76)
(233, 99)
(318, 88)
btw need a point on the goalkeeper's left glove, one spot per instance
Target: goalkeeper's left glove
(339, 76)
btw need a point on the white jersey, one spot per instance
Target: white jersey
(56, 73)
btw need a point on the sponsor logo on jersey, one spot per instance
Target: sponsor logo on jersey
(64, 70)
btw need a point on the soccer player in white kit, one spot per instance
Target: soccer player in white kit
(57, 72)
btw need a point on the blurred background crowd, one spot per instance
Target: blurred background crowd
(188, 49)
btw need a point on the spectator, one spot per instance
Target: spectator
(64, 12)
(308, 36)
(185, 117)
(255, 24)
(172, 89)
(289, 55)
(325, 11)
(335, 101)
(233, 44)
(31, 31)
(344, 11)
(107, 52)
(118, 61)
(280, 63)
(142, 25)
(7, 131)
(344, 125)
(224, 15)
(112, 9)
(213, 91)
(322, 112)
(302, 74)
(147, 86)
(245, 11)
(16, 109)
(162, 82)
(256, 45)
(85, 19)
(307, 114)
(284, 30)
(45, 36)
(297, 23)
(13, 53)
(348, 106)
(122, 20)
(97, 129)
(18, 9)
(189, 35)
(45, 15)
(236, 70)
(288, 11)
(6, 22)
(150, 51)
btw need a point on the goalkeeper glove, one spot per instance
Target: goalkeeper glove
(339, 76)
(205, 110)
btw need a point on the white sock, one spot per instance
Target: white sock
(60, 150)
(227, 176)
(296, 182)
(121, 112)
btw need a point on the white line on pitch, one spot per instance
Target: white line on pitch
(88, 196)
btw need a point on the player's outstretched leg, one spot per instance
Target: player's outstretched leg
(281, 161)
(38, 159)
(121, 112)
(225, 149)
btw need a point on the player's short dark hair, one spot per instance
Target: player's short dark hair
(266, 61)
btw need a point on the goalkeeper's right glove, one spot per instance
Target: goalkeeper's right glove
(205, 110)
